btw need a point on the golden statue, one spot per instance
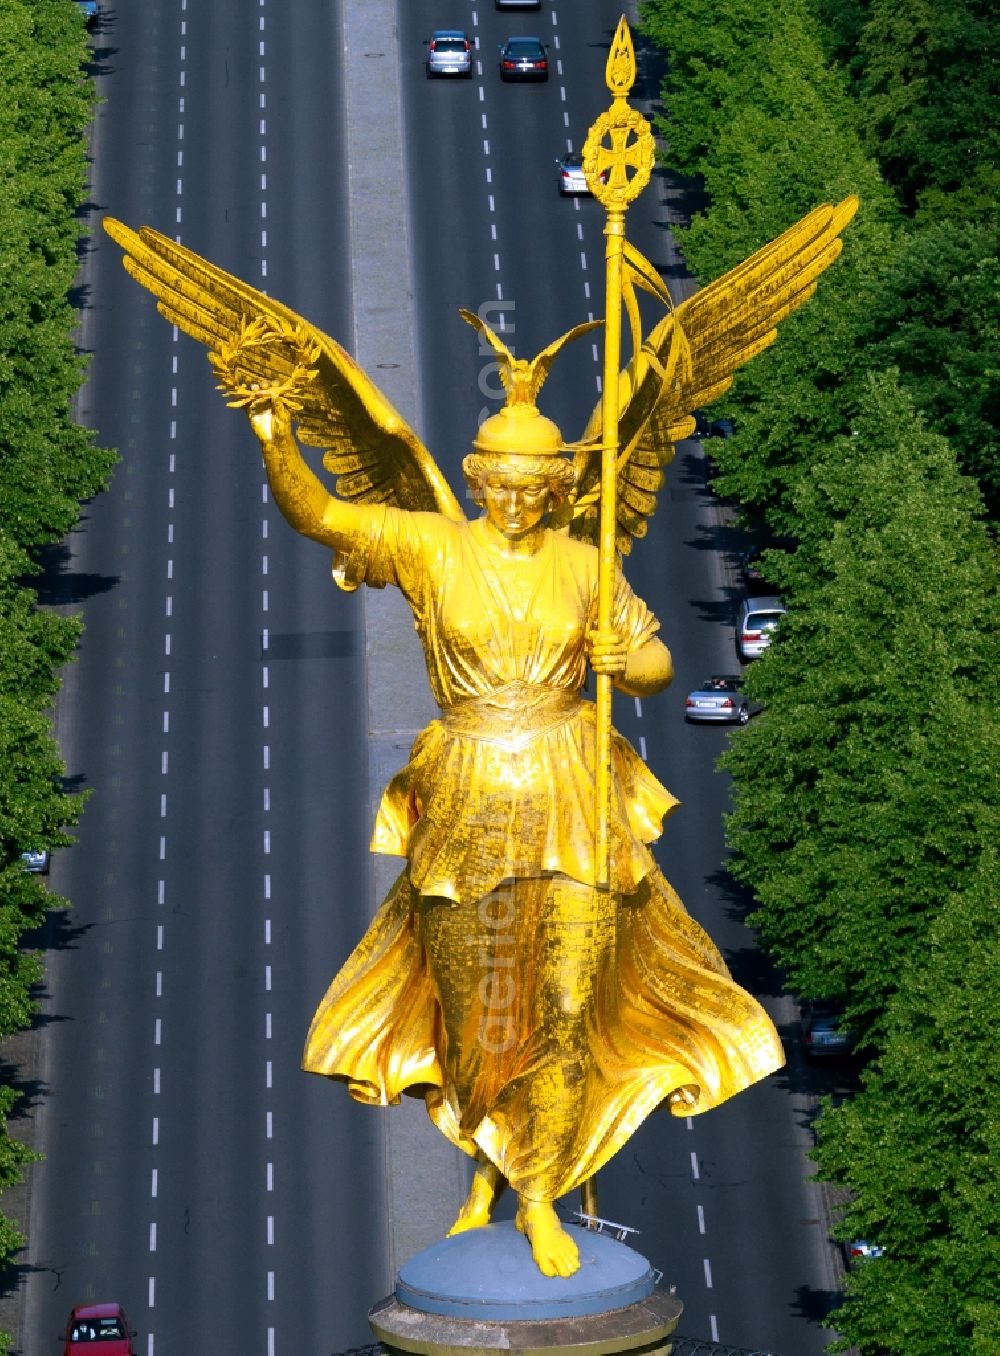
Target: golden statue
(531, 974)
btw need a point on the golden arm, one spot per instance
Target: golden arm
(637, 673)
(300, 495)
(647, 670)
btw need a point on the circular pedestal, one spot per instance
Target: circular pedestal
(482, 1292)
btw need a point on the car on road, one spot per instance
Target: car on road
(720, 700)
(524, 59)
(755, 623)
(98, 1329)
(91, 13)
(704, 427)
(823, 1031)
(752, 568)
(572, 179)
(36, 861)
(449, 52)
(518, 4)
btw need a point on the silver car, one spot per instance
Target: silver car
(449, 52)
(518, 4)
(720, 700)
(755, 623)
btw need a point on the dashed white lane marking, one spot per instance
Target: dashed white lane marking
(708, 1273)
(265, 709)
(168, 608)
(695, 1173)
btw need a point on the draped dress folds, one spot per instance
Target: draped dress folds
(541, 1019)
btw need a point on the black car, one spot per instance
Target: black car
(823, 1031)
(524, 59)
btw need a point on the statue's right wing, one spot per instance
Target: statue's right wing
(262, 350)
(690, 358)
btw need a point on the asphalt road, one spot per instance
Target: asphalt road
(222, 869)
(722, 1201)
(218, 709)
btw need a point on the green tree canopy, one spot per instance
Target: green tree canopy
(863, 794)
(919, 1146)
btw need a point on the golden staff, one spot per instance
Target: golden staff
(618, 159)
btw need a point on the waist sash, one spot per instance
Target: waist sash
(513, 716)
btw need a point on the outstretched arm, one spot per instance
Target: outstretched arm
(299, 494)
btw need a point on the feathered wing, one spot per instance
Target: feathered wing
(690, 358)
(369, 447)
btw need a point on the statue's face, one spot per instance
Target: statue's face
(514, 504)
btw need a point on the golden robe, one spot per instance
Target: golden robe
(540, 1018)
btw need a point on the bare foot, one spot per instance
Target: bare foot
(554, 1251)
(478, 1206)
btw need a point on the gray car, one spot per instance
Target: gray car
(449, 52)
(518, 4)
(755, 623)
(720, 701)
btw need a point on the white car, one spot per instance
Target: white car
(755, 624)
(571, 176)
(860, 1250)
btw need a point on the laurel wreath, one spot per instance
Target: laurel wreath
(237, 367)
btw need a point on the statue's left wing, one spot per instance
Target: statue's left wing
(262, 349)
(690, 358)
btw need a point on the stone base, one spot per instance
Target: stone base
(481, 1292)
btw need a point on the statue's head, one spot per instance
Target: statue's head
(517, 490)
(519, 446)
(518, 451)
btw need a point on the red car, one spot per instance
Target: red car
(105, 1324)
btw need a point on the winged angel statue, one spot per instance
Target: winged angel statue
(540, 1016)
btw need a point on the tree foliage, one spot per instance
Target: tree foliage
(47, 462)
(47, 465)
(866, 791)
(937, 319)
(918, 1147)
(754, 107)
(928, 90)
(865, 798)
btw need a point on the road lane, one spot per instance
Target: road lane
(723, 1202)
(222, 871)
(237, 1205)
